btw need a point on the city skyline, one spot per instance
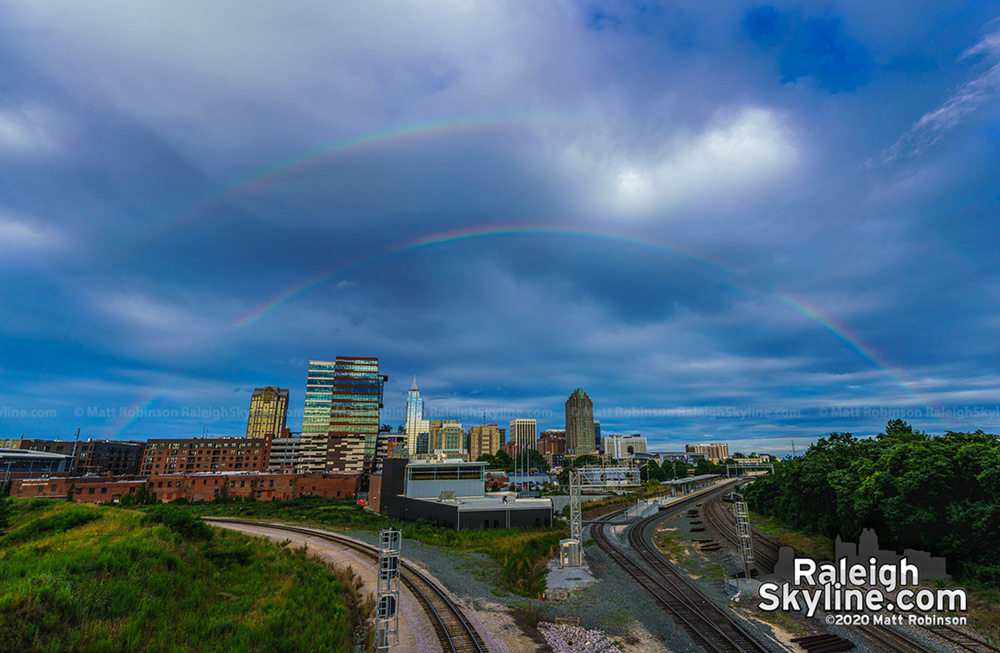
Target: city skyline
(738, 223)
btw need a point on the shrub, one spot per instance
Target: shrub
(180, 521)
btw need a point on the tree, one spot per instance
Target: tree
(705, 466)
(537, 461)
(385, 428)
(400, 429)
(489, 459)
(143, 497)
(71, 492)
(503, 461)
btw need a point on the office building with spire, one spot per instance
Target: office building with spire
(579, 424)
(416, 426)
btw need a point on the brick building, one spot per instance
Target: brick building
(263, 487)
(89, 489)
(193, 455)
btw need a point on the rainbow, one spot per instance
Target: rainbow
(837, 330)
(413, 131)
(462, 235)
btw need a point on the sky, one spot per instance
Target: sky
(727, 222)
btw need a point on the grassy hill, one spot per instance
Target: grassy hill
(94, 578)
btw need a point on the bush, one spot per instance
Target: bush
(180, 521)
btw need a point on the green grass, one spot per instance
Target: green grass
(521, 555)
(94, 578)
(812, 545)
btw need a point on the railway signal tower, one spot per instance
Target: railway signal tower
(744, 536)
(387, 601)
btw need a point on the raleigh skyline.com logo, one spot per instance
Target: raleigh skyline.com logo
(864, 585)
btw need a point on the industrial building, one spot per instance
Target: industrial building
(192, 487)
(451, 494)
(21, 463)
(84, 489)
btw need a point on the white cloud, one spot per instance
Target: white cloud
(933, 125)
(18, 235)
(27, 129)
(732, 155)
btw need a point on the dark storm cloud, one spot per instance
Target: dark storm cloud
(809, 194)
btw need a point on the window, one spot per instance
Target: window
(104, 490)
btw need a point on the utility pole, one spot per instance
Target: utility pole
(72, 461)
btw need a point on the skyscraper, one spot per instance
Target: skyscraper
(316, 416)
(579, 424)
(415, 422)
(355, 402)
(340, 425)
(268, 412)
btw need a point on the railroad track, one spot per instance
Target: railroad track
(723, 521)
(963, 641)
(453, 629)
(708, 624)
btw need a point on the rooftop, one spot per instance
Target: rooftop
(28, 453)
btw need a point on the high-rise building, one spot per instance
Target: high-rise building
(448, 437)
(522, 433)
(340, 424)
(579, 424)
(597, 436)
(268, 412)
(355, 403)
(415, 422)
(484, 439)
(716, 452)
(316, 416)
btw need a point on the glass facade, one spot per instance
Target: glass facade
(416, 425)
(355, 401)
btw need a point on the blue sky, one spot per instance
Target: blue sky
(727, 222)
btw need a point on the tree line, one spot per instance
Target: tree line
(939, 494)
